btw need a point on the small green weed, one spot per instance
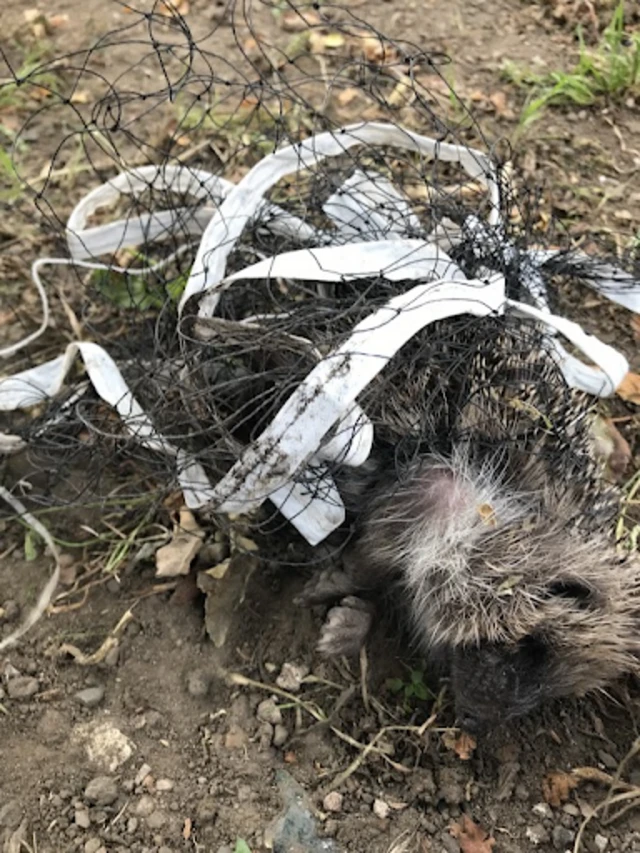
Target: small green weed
(241, 846)
(136, 291)
(412, 689)
(35, 78)
(628, 524)
(10, 183)
(32, 545)
(611, 70)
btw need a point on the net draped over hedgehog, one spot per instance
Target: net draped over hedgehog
(271, 296)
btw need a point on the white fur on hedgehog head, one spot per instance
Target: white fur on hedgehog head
(484, 565)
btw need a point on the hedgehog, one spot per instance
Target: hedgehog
(495, 542)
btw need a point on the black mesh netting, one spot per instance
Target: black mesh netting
(206, 362)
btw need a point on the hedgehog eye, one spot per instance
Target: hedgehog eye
(582, 596)
(533, 649)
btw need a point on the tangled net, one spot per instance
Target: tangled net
(272, 244)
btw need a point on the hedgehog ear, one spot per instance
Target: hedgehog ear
(584, 597)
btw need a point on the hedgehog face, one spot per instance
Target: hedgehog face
(578, 640)
(494, 683)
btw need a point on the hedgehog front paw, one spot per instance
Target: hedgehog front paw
(346, 627)
(329, 585)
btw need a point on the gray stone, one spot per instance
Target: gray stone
(607, 759)
(333, 802)
(207, 809)
(82, 818)
(10, 610)
(198, 683)
(101, 791)
(562, 837)
(280, 735)
(291, 676)
(156, 820)
(269, 712)
(92, 845)
(145, 806)
(52, 727)
(90, 697)
(537, 834)
(112, 656)
(11, 814)
(22, 687)
(451, 788)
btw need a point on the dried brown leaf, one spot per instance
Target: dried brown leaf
(488, 514)
(463, 745)
(175, 557)
(629, 389)
(557, 787)
(611, 446)
(472, 838)
(186, 829)
(225, 594)
(500, 104)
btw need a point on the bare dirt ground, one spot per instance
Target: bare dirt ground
(151, 749)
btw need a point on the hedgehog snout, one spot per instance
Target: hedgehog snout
(494, 683)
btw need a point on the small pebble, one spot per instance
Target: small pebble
(11, 610)
(112, 656)
(198, 684)
(11, 814)
(451, 787)
(132, 825)
(542, 809)
(607, 759)
(333, 802)
(207, 809)
(330, 828)
(280, 735)
(571, 809)
(156, 820)
(90, 697)
(22, 687)
(52, 727)
(82, 819)
(381, 809)
(265, 735)
(236, 737)
(537, 834)
(562, 837)
(93, 845)
(9, 671)
(164, 785)
(142, 774)
(101, 791)
(291, 676)
(145, 806)
(601, 842)
(269, 712)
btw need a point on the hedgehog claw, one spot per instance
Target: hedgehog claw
(346, 627)
(330, 585)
